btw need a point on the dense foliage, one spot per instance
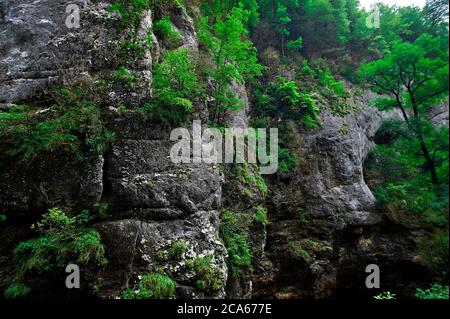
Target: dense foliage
(176, 88)
(61, 240)
(410, 164)
(234, 58)
(72, 124)
(297, 58)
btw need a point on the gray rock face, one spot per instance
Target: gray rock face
(324, 225)
(30, 189)
(439, 115)
(38, 48)
(243, 200)
(326, 197)
(239, 118)
(134, 244)
(155, 203)
(152, 202)
(330, 175)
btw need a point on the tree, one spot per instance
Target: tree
(415, 76)
(282, 21)
(175, 88)
(220, 9)
(436, 11)
(234, 57)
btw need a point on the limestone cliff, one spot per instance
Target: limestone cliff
(325, 208)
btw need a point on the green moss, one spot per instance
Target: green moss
(161, 255)
(209, 278)
(174, 252)
(151, 184)
(261, 216)
(123, 75)
(247, 193)
(246, 177)
(177, 249)
(261, 185)
(189, 263)
(2, 218)
(152, 286)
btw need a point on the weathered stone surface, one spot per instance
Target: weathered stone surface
(38, 48)
(51, 180)
(151, 200)
(132, 246)
(243, 200)
(239, 118)
(324, 224)
(312, 210)
(191, 190)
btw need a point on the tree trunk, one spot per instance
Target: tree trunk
(429, 162)
(426, 153)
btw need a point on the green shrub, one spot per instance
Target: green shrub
(175, 88)
(435, 252)
(164, 29)
(152, 286)
(72, 125)
(16, 290)
(136, 46)
(324, 77)
(397, 172)
(284, 99)
(62, 241)
(234, 57)
(295, 44)
(435, 292)
(239, 255)
(208, 277)
(2, 218)
(259, 122)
